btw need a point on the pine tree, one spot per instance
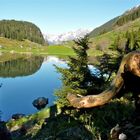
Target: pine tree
(76, 78)
(133, 40)
(21, 30)
(109, 63)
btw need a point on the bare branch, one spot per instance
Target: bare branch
(131, 63)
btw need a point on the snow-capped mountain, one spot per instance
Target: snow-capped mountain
(58, 39)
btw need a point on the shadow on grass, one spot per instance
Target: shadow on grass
(63, 127)
(73, 124)
(58, 126)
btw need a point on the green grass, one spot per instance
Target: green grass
(26, 46)
(96, 121)
(11, 43)
(32, 122)
(105, 40)
(13, 46)
(60, 50)
(39, 116)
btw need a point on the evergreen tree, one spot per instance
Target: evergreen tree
(76, 78)
(21, 30)
(133, 41)
(130, 16)
(109, 63)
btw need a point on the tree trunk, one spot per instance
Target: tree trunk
(130, 63)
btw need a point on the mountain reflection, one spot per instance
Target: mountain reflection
(22, 66)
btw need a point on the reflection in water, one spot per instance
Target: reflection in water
(20, 67)
(33, 78)
(54, 59)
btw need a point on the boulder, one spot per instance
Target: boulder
(40, 102)
(122, 136)
(17, 116)
(126, 130)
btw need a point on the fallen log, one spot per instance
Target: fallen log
(130, 63)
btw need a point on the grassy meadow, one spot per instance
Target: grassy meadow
(26, 46)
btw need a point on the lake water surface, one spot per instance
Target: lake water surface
(24, 79)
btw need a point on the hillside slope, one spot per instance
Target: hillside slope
(128, 16)
(108, 26)
(104, 41)
(21, 30)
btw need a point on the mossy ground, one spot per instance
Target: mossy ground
(71, 124)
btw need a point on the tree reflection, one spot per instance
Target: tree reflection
(20, 67)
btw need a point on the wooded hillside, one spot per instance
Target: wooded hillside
(116, 22)
(128, 16)
(21, 30)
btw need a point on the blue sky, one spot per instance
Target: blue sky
(58, 16)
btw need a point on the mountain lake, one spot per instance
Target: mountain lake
(24, 78)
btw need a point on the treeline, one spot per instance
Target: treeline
(129, 16)
(21, 30)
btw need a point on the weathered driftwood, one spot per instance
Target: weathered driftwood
(130, 63)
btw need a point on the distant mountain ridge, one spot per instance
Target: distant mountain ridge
(68, 36)
(126, 17)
